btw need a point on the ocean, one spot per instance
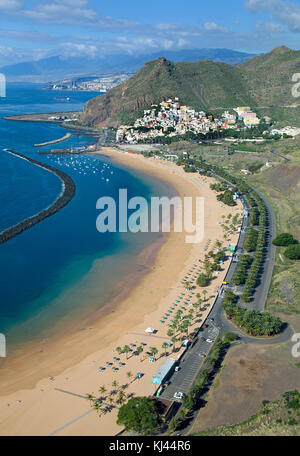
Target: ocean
(62, 269)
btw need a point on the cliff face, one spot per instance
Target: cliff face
(263, 80)
(150, 85)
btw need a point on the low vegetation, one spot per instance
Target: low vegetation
(277, 418)
(284, 239)
(293, 252)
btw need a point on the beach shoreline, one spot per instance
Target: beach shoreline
(72, 360)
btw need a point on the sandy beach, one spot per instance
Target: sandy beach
(42, 392)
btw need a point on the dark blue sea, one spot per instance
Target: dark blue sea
(62, 269)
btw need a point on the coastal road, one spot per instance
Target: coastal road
(191, 363)
(262, 290)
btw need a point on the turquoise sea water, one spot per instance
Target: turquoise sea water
(62, 268)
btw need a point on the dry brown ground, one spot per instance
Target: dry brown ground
(251, 374)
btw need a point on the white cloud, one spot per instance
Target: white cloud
(10, 5)
(214, 26)
(61, 12)
(274, 28)
(69, 12)
(79, 49)
(286, 12)
(5, 51)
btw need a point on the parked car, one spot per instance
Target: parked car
(212, 319)
(177, 368)
(205, 326)
(202, 355)
(178, 395)
(209, 340)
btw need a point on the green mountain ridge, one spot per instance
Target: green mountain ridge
(262, 81)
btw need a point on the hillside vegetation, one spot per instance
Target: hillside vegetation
(264, 82)
(276, 418)
(281, 186)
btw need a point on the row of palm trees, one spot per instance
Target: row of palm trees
(152, 351)
(183, 318)
(111, 399)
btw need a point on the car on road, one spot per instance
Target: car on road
(178, 395)
(209, 340)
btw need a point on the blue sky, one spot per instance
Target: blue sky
(32, 29)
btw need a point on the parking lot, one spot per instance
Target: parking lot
(191, 363)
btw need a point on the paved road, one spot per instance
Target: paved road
(262, 290)
(287, 159)
(191, 364)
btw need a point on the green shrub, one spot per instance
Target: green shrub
(293, 252)
(202, 280)
(284, 239)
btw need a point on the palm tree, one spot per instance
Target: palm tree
(165, 346)
(219, 244)
(174, 340)
(204, 293)
(186, 326)
(187, 285)
(140, 349)
(119, 350)
(110, 400)
(170, 333)
(102, 389)
(98, 407)
(191, 314)
(126, 349)
(129, 374)
(121, 397)
(90, 397)
(154, 351)
(115, 384)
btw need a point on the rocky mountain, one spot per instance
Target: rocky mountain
(263, 81)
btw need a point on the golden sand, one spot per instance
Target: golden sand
(33, 404)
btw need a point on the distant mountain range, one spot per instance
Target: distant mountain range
(263, 81)
(55, 68)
